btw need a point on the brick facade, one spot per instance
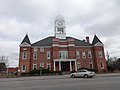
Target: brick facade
(61, 53)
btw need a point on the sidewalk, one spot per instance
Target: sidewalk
(54, 77)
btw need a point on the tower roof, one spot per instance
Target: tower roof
(96, 40)
(26, 39)
(59, 18)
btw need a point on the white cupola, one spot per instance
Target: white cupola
(60, 27)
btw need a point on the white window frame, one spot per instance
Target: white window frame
(83, 54)
(102, 65)
(48, 64)
(42, 64)
(24, 49)
(78, 54)
(91, 63)
(41, 49)
(100, 54)
(34, 66)
(24, 68)
(78, 65)
(35, 49)
(89, 54)
(24, 55)
(35, 56)
(63, 54)
(48, 55)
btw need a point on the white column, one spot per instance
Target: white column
(75, 66)
(59, 65)
(54, 66)
(70, 66)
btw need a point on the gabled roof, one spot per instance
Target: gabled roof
(48, 42)
(44, 42)
(26, 39)
(96, 40)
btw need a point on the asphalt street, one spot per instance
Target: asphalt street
(66, 83)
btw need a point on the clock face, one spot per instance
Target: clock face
(60, 23)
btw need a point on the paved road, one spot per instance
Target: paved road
(97, 83)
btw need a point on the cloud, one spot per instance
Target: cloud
(36, 17)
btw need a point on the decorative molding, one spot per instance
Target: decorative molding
(98, 44)
(25, 45)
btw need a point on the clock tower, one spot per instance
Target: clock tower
(60, 27)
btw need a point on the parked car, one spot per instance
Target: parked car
(83, 73)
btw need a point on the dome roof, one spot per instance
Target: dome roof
(59, 18)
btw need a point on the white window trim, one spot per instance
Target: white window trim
(34, 56)
(63, 54)
(91, 63)
(48, 54)
(89, 53)
(83, 54)
(100, 54)
(78, 64)
(22, 68)
(34, 65)
(77, 54)
(35, 49)
(102, 65)
(49, 66)
(24, 54)
(41, 49)
(42, 64)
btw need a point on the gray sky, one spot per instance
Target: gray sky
(36, 17)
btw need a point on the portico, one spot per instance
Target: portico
(65, 65)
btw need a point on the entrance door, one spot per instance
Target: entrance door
(65, 66)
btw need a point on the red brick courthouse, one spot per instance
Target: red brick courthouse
(61, 53)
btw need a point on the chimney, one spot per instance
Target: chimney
(87, 39)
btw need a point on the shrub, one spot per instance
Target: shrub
(43, 72)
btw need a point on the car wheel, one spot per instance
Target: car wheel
(72, 76)
(85, 76)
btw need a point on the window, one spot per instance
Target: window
(60, 30)
(83, 54)
(48, 66)
(78, 66)
(35, 56)
(102, 65)
(89, 54)
(48, 54)
(91, 64)
(63, 54)
(24, 49)
(34, 66)
(77, 54)
(42, 49)
(24, 55)
(35, 49)
(100, 54)
(23, 68)
(42, 64)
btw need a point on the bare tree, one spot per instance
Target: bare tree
(4, 65)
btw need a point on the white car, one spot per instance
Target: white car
(83, 73)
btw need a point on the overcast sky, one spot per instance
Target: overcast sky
(36, 17)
